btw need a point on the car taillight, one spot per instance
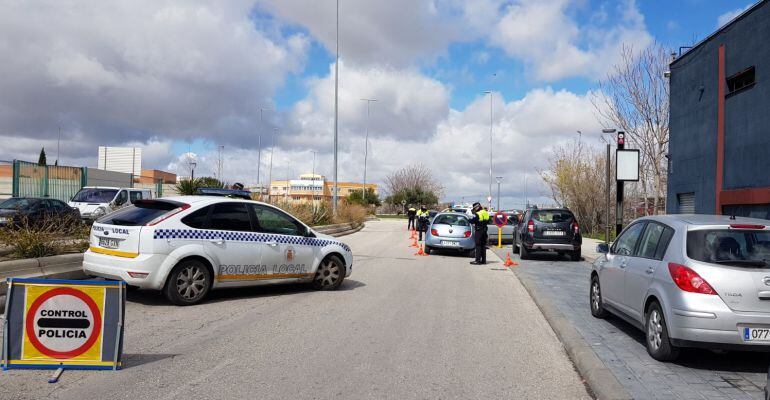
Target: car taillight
(168, 215)
(434, 232)
(467, 234)
(746, 226)
(689, 280)
(575, 228)
(531, 226)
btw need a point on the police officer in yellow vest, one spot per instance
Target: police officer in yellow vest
(422, 220)
(480, 220)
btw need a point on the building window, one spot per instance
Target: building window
(740, 80)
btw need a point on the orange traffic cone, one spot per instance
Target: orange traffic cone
(413, 236)
(421, 252)
(509, 262)
(414, 243)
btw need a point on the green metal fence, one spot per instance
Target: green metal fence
(33, 180)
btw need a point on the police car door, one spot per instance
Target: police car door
(230, 241)
(287, 252)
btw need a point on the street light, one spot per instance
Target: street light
(366, 145)
(193, 164)
(312, 180)
(489, 197)
(609, 178)
(270, 170)
(499, 178)
(336, 104)
(259, 146)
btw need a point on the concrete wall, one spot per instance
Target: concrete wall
(693, 119)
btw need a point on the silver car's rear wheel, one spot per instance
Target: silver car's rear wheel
(658, 344)
(330, 274)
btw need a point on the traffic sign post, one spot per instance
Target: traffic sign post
(62, 324)
(500, 220)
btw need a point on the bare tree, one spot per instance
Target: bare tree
(413, 177)
(634, 98)
(576, 178)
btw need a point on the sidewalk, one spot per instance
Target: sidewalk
(698, 374)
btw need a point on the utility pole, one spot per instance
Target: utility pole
(499, 178)
(366, 146)
(270, 173)
(336, 105)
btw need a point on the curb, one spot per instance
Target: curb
(598, 377)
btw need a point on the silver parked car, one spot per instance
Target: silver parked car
(688, 281)
(450, 231)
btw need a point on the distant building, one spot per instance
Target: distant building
(719, 121)
(154, 176)
(120, 159)
(310, 186)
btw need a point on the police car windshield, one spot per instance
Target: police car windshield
(139, 214)
(93, 195)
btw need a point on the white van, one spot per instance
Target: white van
(96, 201)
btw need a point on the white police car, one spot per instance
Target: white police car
(186, 246)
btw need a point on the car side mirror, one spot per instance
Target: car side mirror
(602, 248)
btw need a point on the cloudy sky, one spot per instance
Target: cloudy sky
(189, 76)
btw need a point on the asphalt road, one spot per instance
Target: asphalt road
(401, 327)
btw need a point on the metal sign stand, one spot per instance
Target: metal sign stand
(120, 325)
(5, 323)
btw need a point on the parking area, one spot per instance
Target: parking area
(697, 374)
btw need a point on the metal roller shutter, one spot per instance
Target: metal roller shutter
(686, 203)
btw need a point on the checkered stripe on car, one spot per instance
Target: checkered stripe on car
(243, 237)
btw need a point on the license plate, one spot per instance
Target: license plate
(109, 243)
(553, 233)
(756, 334)
(450, 243)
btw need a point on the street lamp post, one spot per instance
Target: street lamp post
(270, 170)
(192, 170)
(499, 178)
(489, 197)
(336, 104)
(366, 146)
(312, 180)
(609, 178)
(259, 147)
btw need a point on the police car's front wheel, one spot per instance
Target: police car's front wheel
(188, 283)
(330, 274)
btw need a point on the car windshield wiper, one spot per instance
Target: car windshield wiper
(751, 263)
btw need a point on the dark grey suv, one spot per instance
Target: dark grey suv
(548, 229)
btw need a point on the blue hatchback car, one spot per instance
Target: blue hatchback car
(450, 231)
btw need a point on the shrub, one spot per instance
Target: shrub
(48, 237)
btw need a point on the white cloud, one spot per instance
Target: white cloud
(548, 38)
(130, 70)
(409, 106)
(730, 15)
(524, 131)
(395, 32)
